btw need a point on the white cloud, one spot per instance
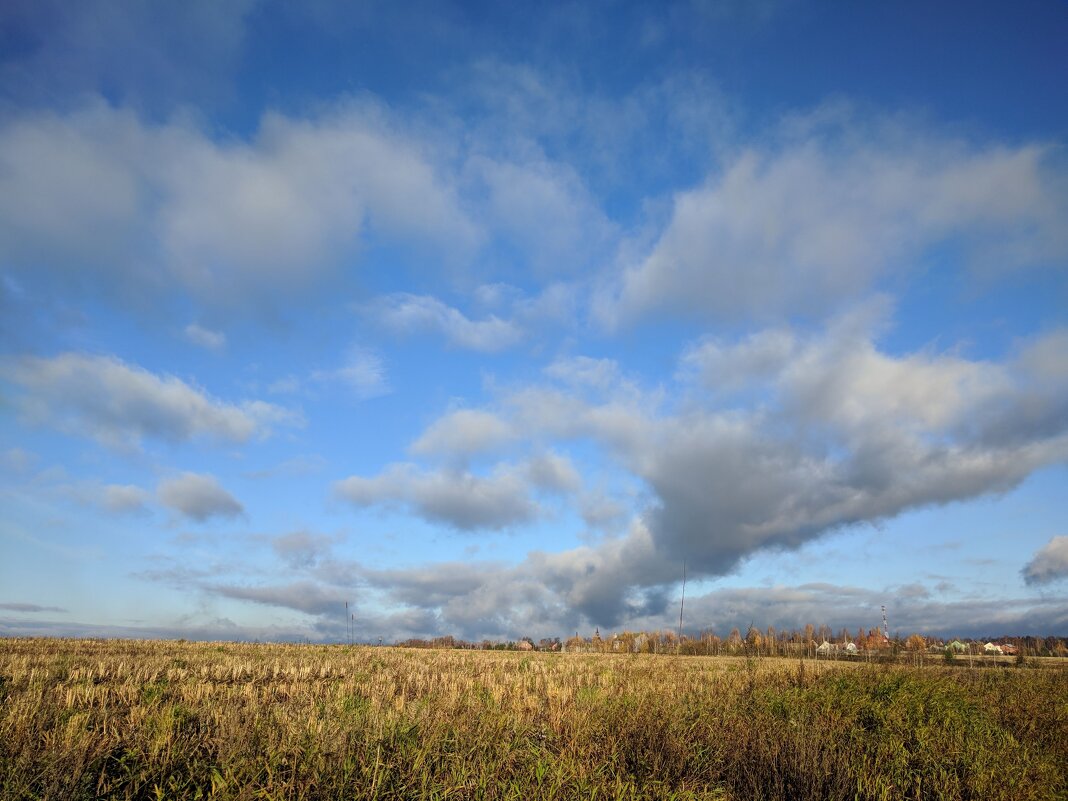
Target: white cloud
(553, 472)
(403, 313)
(18, 460)
(725, 367)
(844, 434)
(601, 374)
(120, 404)
(235, 222)
(124, 498)
(300, 549)
(363, 373)
(463, 433)
(204, 337)
(302, 596)
(1050, 563)
(825, 214)
(456, 498)
(199, 497)
(543, 208)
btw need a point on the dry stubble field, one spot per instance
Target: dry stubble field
(126, 719)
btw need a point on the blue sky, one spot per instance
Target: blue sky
(487, 319)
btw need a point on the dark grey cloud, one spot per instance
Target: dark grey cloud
(198, 497)
(1049, 564)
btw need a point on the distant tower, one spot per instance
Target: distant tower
(886, 628)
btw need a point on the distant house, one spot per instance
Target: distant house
(1009, 649)
(826, 649)
(991, 648)
(524, 645)
(850, 648)
(957, 647)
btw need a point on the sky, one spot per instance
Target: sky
(495, 320)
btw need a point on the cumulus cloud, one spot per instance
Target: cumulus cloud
(454, 497)
(463, 433)
(198, 497)
(204, 337)
(897, 433)
(120, 404)
(90, 192)
(1049, 564)
(553, 595)
(543, 210)
(820, 216)
(553, 472)
(585, 371)
(404, 313)
(602, 512)
(125, 499)
(726, 367)
(845, 434)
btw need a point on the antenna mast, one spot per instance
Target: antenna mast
(886, 629)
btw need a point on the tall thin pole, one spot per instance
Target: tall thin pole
(682, 606)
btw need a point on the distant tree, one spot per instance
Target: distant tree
(734, 640)
(915, 643)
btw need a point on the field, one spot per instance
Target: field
(124, 719)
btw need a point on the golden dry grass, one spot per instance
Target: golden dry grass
(126, 719)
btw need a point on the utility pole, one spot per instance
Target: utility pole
(682, 606)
